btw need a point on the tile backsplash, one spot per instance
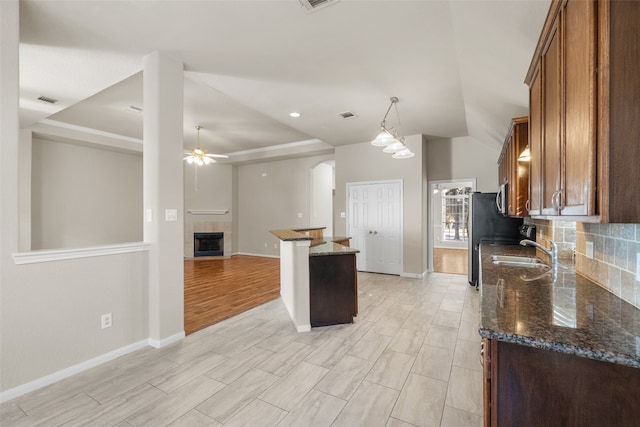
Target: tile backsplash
(614, 262)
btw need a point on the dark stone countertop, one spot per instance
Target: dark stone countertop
(571, 315)
(328, 246)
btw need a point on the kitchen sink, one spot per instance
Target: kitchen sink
(518, 261)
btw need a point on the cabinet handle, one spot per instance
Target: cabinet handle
(554, 203)
(375, 232)
(482, 353)
(526, 205)
(370, 232)
(560, 206)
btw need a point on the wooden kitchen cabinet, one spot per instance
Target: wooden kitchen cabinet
(513, 172)
(333, 289)
(584, 83)
(527, 386)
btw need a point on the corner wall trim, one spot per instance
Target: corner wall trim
(70, 371)
(47, 255)
(166, 341)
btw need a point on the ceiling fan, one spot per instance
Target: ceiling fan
(199, 155)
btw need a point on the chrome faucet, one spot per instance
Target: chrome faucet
(553, 252)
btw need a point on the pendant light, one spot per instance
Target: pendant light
(390, 138)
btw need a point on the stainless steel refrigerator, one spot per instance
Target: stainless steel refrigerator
(487, 224)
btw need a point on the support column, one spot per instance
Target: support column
(163, 196)
(9, 129)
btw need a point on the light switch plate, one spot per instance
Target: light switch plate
(343, 214)
(149, 215)
(589, 250)
(299, 214)
(170, 214)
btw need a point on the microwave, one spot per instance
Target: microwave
(502, 202)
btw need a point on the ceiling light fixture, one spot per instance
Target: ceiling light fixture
(294, 114)
(390, 138)
(199, 155)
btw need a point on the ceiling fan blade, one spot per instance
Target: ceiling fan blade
(222, 156)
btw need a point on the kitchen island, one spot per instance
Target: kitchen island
(557, 350)
(318, 278)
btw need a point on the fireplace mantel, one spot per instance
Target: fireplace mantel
(208, 211)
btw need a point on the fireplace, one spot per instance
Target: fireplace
(208, 244)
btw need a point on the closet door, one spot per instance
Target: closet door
(374, 223)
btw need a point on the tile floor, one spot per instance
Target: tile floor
(410, 359)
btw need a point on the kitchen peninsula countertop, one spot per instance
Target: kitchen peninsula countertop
(319, 246)
(572, 315)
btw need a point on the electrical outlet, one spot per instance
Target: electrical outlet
(589, 250)
(107, 320)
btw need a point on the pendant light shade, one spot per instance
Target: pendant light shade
(383, 139)
(403, 154)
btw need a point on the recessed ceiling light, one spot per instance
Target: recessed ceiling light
(294, 114)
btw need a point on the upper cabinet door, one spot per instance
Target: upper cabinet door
(535, 144)
(579, 114)
(551, 132)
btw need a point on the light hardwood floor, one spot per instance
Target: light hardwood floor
(448, 260)
(410, 359)
(216, 289)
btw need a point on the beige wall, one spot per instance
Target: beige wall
(84, 196)
(270, 196)
(363, 162)
(464, 158)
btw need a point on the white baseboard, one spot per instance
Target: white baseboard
(70, 371)
(260, 255)
(414, 275)
(87, 364)
(304, 328)
(166, 341)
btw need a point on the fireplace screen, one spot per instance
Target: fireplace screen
(208, 244)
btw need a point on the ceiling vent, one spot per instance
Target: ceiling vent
(347, 115)
(47, 99)
(133, 109)
(313, 5)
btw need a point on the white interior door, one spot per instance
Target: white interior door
(374, 223)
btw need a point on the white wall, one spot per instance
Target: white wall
(84, 196)
(322, 184)
(270, 196)
(464, 158)
(50, 311)
(364, 162)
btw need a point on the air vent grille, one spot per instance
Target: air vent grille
(347, 115)
(47, 99)
(312, 5)
(133, 109)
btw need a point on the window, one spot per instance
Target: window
(455, 214)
